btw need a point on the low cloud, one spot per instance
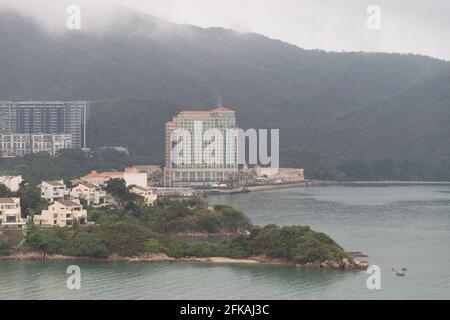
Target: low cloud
(407, 26)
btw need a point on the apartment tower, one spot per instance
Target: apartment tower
(52, 120)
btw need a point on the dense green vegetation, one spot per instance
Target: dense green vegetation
(176, 216)
(68, 164)
(295, 243)
(155, 230)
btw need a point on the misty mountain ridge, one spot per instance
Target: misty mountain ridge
(361, 115)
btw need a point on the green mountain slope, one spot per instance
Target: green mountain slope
(335, 111)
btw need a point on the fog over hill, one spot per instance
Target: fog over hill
(359, 115)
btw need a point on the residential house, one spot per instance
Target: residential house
(62, 213)
(11, 182)
(53, 190)
(147, 195)
(93, 194)
(10, 213)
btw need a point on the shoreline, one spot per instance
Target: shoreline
(396, 182)
(346, 264)
(306, 183)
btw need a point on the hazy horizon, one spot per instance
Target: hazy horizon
(405, 26)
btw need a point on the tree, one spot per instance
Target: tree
(121, 193)
(48, 240)
(30, 199)
(5, 192)
(124, 238)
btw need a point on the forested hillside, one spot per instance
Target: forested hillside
(340, 115)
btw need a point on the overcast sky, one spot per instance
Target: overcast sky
(407, 26)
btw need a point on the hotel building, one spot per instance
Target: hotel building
(200, 168)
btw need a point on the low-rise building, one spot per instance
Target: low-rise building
(291, 174)
(53, 190)
(101, 178)
(174, 192)
(93, 194)
(11, 182)
(279, 175)
(154, 172)
(147, 195)
(19, 144)
(131, 177)
(134, 178)
(62, 213)
(10, 213)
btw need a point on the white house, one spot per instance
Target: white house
(11, 182)
(10, 213)
(93, 194)
(62, 213)
(135, 179)
(148, 195)
(53, 190)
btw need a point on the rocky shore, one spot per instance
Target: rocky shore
(347, 264)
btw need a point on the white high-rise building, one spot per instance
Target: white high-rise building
(211, 152)
(19, 144)
(46, 117)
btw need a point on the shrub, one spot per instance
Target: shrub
(5, 245)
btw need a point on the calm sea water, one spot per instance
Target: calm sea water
(397, 226)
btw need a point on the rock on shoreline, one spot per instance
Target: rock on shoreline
(347, 264)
